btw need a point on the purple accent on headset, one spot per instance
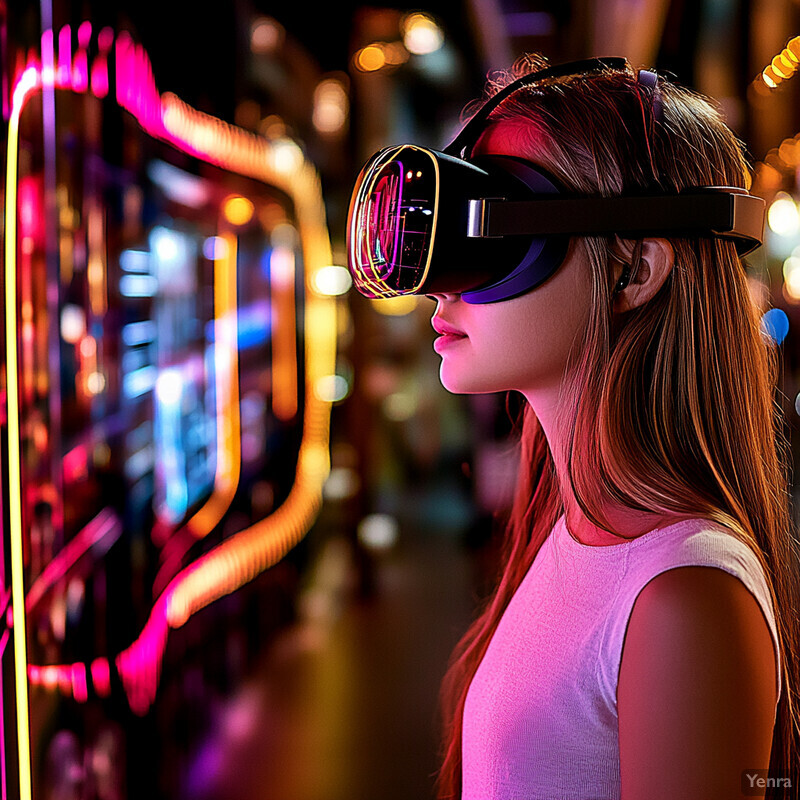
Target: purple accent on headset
(649, 79)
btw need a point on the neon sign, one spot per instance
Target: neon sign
(244, 555)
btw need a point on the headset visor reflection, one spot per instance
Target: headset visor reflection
(393, 221)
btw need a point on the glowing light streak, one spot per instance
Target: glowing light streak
(179, 185)
(96, 262)
(284, 334)
(22, 91)
(97, 536)
(226, 372)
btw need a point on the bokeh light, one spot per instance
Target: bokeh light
(238, 210)
(775, 324)
(421, 34)
(783, 217)
(332, 281)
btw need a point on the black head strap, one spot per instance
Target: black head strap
(469, 134)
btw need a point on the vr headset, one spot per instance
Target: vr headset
(492, 227)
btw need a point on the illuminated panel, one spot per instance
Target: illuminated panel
(243, 556)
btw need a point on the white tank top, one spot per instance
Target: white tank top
(540, 719)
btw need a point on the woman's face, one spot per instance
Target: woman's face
(517, 344)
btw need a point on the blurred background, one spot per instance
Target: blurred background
(244, 525)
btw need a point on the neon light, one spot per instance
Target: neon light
(238, 210)
(244, 555)
(255, 324)
(100, 66)
(284, 334)
(135, 261)
(226, 378)
(97, 536)
(142, 380)
(136, 333)
(138, 285)
(171, 463)
(64, 68)
(27, 83)
(80, 690)
(101, 676)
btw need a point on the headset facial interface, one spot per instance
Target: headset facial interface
(492, 227)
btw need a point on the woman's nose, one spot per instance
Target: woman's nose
(443, 297)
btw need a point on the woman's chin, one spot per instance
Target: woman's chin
(462, 383)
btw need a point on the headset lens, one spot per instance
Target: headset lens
(392, 221)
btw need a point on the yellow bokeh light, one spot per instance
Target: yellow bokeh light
(791, 266)
(782, 67)
(330, 106)
(421, 34)
(771, 78)
(370, 58)
(788, 152)
(332, 281)
(793, 284)
(783, 217)
(237, 210)
(395, 306)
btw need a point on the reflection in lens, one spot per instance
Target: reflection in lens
(393, 221)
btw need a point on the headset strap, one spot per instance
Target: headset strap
(724, 211)
(474, 127)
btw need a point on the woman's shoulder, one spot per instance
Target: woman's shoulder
(690, 537)
(697, 675)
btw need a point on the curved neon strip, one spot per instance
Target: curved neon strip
(247, 553)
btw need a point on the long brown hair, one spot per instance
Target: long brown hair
(672, 407)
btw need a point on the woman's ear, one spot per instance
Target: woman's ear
(655, 263)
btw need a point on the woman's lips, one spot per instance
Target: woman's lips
(448, 335)
(445, 328)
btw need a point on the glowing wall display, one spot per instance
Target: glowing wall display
(148, 383)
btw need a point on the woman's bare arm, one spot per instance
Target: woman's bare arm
(697, 688)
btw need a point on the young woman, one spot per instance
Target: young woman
(642, 641)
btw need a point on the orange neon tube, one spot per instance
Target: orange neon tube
(226, 375)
